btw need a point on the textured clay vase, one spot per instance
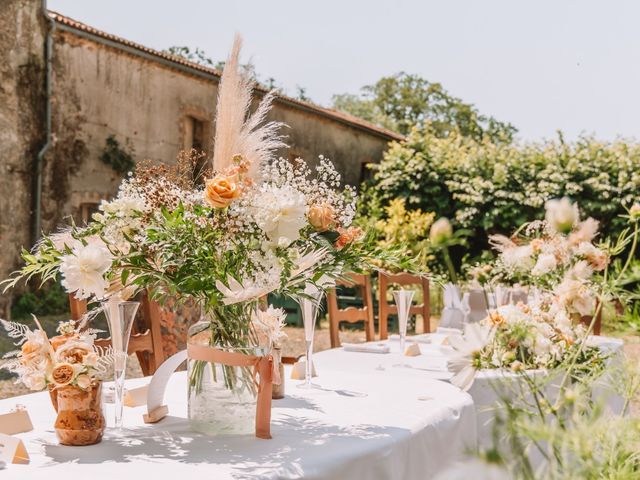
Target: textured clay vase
(80, 420)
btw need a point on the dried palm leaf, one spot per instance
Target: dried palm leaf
(237, 132)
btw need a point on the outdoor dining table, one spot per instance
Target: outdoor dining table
(370, 420)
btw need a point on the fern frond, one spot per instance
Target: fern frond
(16, 330)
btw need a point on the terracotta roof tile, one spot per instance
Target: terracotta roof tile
(327, 112)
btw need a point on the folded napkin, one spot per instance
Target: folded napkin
(453, 313)
(366, 347)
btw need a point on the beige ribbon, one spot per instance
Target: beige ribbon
(263, 367)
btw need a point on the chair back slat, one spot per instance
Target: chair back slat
(351, 314)
(385, 309)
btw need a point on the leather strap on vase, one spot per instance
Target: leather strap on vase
(262, 367)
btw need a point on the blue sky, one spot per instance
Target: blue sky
(543, 65)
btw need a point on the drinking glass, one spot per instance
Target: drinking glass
(120, 316)
(403, 300)
(309, 305)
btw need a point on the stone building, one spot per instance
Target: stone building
(66, 87)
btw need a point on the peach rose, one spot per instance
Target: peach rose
(73, 352)
(322, 216)
(347, 236)
(221, 190)
(62, 374)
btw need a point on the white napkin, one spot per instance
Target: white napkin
(366, 347)
(453, 314)
(476, 304)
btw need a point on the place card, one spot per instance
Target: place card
(16, 421)
(12, 450)
(299, 370)
(412, 350)
(136, 396)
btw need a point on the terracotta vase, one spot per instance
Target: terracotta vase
(80, 420)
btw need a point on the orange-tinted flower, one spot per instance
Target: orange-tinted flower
(322, 216)
(221, 190)
(347, 236)
(62, 374)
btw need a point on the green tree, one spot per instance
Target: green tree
(404, 101)
(196, 56)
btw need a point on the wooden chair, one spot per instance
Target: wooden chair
(351, 314)
(146, 336)
(597, 325)
(384, 309)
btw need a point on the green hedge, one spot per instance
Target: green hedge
(489, 188)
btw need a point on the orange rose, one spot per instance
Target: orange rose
(62, 374)
(221, 190)
(347, 236)
(322, 216)
(496, 318)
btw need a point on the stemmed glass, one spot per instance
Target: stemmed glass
(309, 304)
(403, 300)
(120, 315)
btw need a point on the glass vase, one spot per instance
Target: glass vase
(222, 398)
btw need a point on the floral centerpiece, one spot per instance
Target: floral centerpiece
(555, 255)
(519, 338)
(69, 365)
(256, 225)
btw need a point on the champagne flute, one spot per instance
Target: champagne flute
(120, 316)
(403, 300)
(309, 305)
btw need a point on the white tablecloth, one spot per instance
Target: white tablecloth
(370, 423)
(432, 364)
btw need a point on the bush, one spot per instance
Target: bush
(491, 187)
(50, 300)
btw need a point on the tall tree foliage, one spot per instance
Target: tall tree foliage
(402, 101)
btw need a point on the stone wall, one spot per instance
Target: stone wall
(22, 29)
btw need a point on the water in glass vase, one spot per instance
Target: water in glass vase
(222, 399)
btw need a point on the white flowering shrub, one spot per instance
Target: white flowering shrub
(494, 188)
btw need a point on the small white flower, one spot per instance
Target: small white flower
(271, 323)
(546, 263)
(83, 381)
(238, 292)
(476, 336)
(519, 258)
(562, 215)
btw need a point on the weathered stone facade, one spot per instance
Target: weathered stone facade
(153, 104)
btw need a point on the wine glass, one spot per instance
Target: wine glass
(309, 305)
(403, 300)
(120, 316)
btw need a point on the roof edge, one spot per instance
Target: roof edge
(87, 31)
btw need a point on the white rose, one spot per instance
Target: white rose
(83, 270)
